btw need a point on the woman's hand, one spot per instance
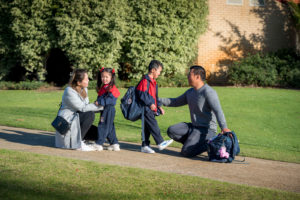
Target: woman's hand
(96, 103)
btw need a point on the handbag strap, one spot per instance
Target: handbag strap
(74, 115)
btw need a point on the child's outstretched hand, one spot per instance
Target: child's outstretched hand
(162, 111)
(153, 107)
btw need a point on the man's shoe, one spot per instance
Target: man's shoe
(147, 149)
(114, 147)
(164, 144)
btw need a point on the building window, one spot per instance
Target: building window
(234, 2)
(257, 2)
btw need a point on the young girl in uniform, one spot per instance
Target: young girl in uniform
(107, 97)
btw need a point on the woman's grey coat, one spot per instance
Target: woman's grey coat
(71, 103)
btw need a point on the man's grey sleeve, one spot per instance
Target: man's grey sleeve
(174, 102)
(215, 105)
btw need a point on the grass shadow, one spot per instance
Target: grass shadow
(46, 139)
(169, 152)
(35, 139)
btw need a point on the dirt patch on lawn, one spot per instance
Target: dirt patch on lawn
(49, 89)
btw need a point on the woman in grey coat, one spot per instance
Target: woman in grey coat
(75, 101)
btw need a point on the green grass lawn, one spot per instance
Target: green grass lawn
(32, 176)
(265, 120)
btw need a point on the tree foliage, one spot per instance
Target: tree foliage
(281, 68)
(122, 34)
(295, 10)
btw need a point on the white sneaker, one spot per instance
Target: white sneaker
(98, 147)
(164, 144)
(85, 147)
(147, 149)
(114, 147)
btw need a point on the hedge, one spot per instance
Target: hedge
(275, 69)
(122, 34)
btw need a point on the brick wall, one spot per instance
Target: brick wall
(234, 31)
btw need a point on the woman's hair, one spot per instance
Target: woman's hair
(78, 76)
(112, 81)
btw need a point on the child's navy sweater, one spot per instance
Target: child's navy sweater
(108, 96)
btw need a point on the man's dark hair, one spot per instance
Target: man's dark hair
(199, 70)
(155, 64)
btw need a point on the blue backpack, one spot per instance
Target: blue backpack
(130, 107)
(217, 152)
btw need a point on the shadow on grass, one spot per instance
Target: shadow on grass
(137, 148)
(14, 188)
(35, 139)
(47, 139)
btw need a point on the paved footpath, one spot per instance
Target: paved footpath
(259, 172)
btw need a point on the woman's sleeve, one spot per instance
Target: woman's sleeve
(72, 99)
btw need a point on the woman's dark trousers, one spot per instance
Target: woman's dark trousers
(88, 130)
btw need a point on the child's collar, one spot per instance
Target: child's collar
(149, 78)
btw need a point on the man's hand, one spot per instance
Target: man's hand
(96, 103)
(153, 107)
(225, 130)
(161, 110)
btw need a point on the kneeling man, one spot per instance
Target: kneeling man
(205, 109)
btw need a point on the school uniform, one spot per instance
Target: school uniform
(149, 96)
(106, 128)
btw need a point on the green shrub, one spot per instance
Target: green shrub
(164, 30)
(23, 85)
(106, 33)
(281, 68)
(179, 80)
(288, 68)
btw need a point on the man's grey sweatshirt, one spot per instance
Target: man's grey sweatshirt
(204, 106)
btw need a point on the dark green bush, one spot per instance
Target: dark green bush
(288, 68)
(179, 80)
(23, 85)
(111, 33)
(281, 68)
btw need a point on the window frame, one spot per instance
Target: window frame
(257, 5)
(235, 4)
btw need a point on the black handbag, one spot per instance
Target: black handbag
(62, 125)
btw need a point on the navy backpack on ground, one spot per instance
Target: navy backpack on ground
(223, 148)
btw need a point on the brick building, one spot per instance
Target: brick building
(239, 27)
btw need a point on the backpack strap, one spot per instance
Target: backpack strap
(233, 151)
(143, 114)
(233, 145)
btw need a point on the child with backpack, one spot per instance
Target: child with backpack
(107, 97)
(149, 98)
